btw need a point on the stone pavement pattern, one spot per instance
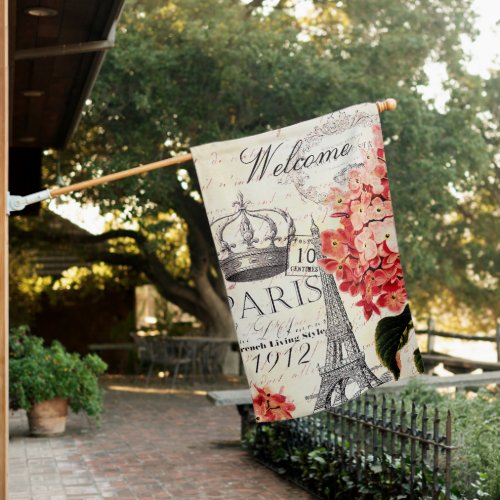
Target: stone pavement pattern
(148, 446)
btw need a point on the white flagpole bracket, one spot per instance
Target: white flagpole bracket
(16, 203)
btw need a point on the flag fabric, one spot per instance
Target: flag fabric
(303, 225)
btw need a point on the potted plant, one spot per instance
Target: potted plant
(45, 380)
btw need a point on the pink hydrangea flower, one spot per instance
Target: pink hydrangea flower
(269, 406)
(371, 179)
(375, 279)
(379, 209)
(385, 232)
(337, 200)
(354, 183)
(334, 244)
(394, 300)
(369, 307)
(365, 245)
(331, 266)
(363, 254)
(359, 211)
(357, 266)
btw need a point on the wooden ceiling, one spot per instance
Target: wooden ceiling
(54, 62)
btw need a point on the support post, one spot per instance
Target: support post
(431, 326)
(4, 248)
(498, 340)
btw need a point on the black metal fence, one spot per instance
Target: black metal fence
(401, 452)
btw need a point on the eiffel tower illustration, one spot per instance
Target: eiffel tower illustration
(345, 361)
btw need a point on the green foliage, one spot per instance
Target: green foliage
(421, 394)
(335, 474)
(190, 72)
(476, 434)
(419, 362)
(475, 464)
(38, 373)
(391, 334)
(25, 286)
(29, 292)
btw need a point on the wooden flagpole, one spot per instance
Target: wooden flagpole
(387, 105)
(121, 175)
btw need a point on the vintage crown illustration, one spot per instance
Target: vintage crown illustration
(253, 243)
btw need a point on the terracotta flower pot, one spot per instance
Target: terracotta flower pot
(48, 417)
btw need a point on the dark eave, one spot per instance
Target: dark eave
(55, 61)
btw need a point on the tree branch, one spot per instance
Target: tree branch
(135, 261)
(118, 233)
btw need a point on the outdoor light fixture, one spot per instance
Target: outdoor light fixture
(33, 93)
(41, 11)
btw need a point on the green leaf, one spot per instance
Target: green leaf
(391, 334)
(419, 362)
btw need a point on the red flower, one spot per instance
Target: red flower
(392, 266)
(357, 266)
(374, 181)
(365, 245)
(394, 300)
(352, 282)
(380, 169)
(331, 266)
(371, 176)
(334, 244)
(338, 200)
(375, 262)
(270, 406)
(375, 280)
(379, 209)
(355, 184)
(385, 191)
(359, 210)
(368, 308)
(363, 254)
(385, 232)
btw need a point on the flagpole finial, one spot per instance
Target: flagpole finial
(387, 105)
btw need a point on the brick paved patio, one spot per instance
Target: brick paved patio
(150, 445)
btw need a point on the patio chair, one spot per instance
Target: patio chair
(157, 351)
(143, 350)
(174, 356)
(213, 358)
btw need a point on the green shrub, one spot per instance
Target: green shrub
(476, 434)
(333, 474)
(38, 373)
(475, 464)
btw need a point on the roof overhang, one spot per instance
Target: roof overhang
(57, 48)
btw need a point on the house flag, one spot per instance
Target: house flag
(303, 224)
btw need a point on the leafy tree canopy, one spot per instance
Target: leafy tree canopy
(188, 72)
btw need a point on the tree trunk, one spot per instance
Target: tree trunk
(203, 296)
(220, 321)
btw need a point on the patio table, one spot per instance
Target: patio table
(206, 353)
